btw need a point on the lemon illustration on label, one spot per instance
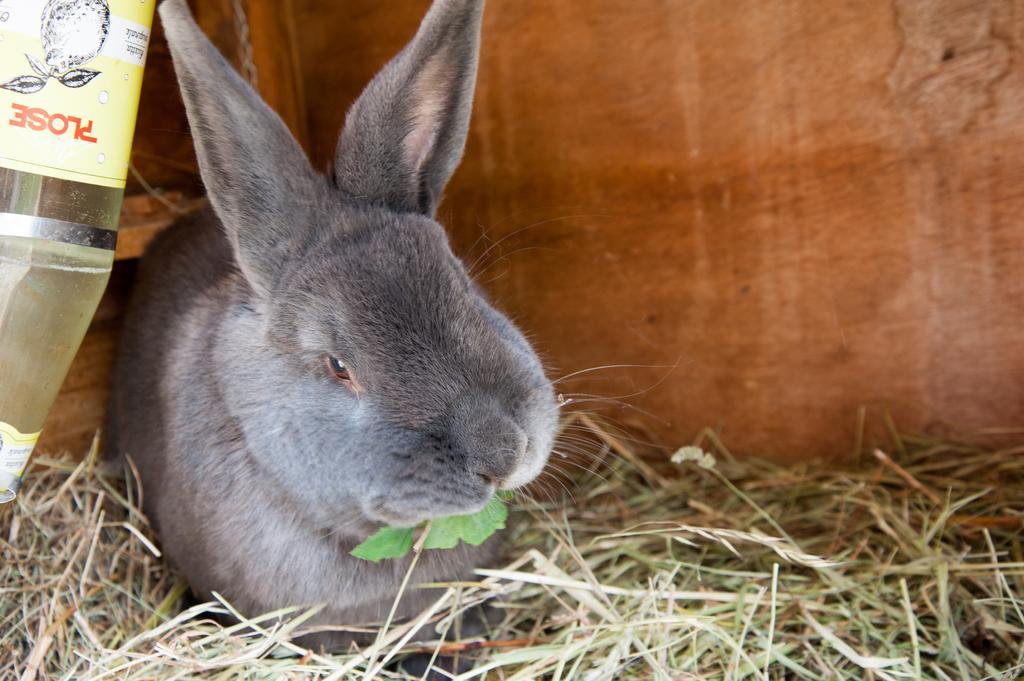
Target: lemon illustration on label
(78, 128)
(73, 33)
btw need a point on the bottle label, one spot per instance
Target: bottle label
(15, 448)
(70, 76)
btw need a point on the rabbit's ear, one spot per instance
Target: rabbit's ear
(404, 136)
(259, 181)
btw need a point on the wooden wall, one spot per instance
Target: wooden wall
(800, 207)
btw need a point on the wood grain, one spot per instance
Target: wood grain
(273, 36)
(162, 148)
(144, 216)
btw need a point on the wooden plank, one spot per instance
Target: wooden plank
(162, 149)
(144, 216)
(275, 54)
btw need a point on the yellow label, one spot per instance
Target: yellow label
(15, 448)
(70, 76)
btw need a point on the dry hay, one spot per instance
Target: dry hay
(702, 568)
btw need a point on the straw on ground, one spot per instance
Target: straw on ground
(912, 568)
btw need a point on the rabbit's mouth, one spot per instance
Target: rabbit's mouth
(393, 519)
(383, 510)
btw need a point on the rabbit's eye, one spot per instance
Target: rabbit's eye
(339, 370)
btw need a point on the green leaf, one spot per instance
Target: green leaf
(446, 533)
(387, 542)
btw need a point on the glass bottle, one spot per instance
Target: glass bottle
(70, 77)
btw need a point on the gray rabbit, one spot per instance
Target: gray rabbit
(308, 361)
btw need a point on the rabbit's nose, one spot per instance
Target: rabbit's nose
(491, 443)
(495, 447)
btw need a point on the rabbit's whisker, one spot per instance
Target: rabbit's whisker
(608, 367)
(581, 467)
(541, 223)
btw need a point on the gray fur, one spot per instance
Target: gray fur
(261, 471)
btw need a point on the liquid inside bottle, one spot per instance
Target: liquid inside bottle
(48, 294)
